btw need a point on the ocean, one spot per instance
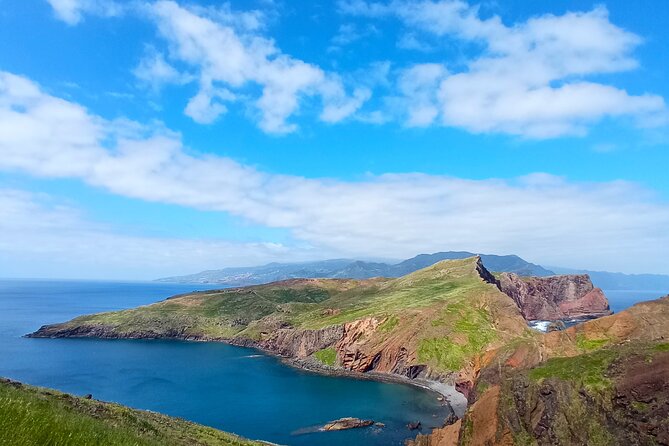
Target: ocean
(231, 388)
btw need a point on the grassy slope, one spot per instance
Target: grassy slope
(591, 402)
(566, 387)
(42, 417)
(445, 313)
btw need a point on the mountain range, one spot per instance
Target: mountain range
(351, 269)
(359, 269)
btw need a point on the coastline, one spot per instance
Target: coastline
(456, 402)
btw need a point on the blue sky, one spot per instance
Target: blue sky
(149, 138)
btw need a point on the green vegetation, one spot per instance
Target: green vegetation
(589, 344)
(472, 331)
(445, 311)
(664, 347)
(34, 416)
(640, 406)
(389, 324)
(442, 353)
(587, 370)
(327, 356)
(522, 438)
(452, 280)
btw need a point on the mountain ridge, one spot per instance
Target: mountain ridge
(351, 269)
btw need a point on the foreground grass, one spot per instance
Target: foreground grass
(41, 417)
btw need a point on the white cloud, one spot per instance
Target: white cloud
(72, 11)
(409, 41)
(419, 85)
(155, 71)
(544, 218)
(349, 33)
(529, 78)
(44, 237)
(229, 53)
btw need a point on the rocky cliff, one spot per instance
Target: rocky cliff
(603, 382)
(555, 297)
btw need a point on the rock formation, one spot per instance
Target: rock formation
(346, 423)
(555, 297)
(603, 382)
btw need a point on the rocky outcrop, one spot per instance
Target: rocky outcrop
(631, 410)
(102, 331)
(602, 382)
(346, 423)
(299, 344)
(443, 436)
(555, 297)
(350, 355)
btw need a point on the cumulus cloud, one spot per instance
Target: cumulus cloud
(156, 72)
(73, 11)
(547, 219)
(529, 78)
(230, 54)
(418, 86)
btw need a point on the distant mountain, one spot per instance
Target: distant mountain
(351, 269)
(620, 281)
(506, 264)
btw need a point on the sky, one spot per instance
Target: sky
(141, 138)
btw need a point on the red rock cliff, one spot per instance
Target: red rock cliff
(555, 297)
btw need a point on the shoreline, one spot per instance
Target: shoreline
(456, 402)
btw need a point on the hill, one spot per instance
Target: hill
(351, 269)
(433, 322)
(36, 416)
(602, 382)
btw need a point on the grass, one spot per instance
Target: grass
(445, 281)
(472, 330)
(442, 353)
(444, 310)
(327, 356)
(587, 370)
(34, 416)
(589, 345)
(302, 304)
(389, 324)
(663, 347)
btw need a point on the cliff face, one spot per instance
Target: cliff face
(301, 343)
(602, 382)
(614, 396)
(555, 297)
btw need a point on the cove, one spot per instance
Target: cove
(231, 388)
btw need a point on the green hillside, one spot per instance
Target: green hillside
(444, 316)
(43, 417)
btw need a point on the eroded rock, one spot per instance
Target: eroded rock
(555, 297)
(346, 423)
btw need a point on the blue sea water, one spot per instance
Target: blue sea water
(230, 388)
(622, 299)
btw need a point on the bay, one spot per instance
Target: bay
(231, 388)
